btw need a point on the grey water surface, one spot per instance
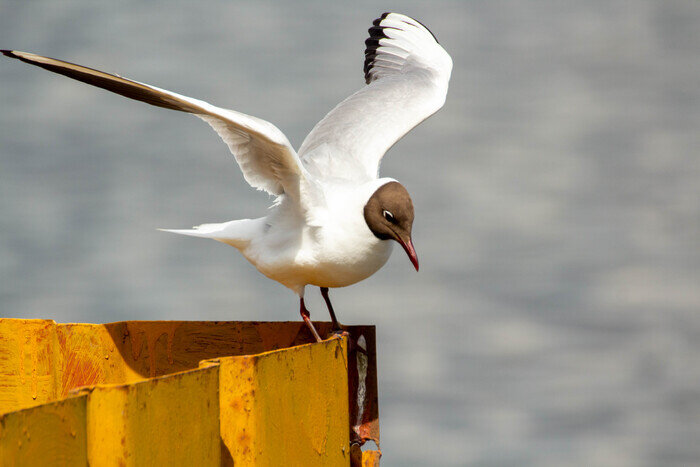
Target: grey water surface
(556, 317)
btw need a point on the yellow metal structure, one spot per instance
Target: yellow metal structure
(51, 434)
(140, 423)
(293, 400)
(180, 393)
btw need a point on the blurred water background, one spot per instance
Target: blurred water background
(556, 317)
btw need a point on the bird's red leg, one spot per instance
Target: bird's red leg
(306, 316)
(336, 324)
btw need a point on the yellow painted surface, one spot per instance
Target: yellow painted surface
(371, 458)
(91, 356)
(287, 407)
(29, 363)
(51, 434)
(42, 361)
(171, 393)
(169, 420)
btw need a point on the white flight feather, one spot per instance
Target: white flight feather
(408, 83)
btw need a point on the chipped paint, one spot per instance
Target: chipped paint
(362, 377)
(371, 458)
(362, 364)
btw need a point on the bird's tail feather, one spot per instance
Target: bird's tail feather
(236, 233)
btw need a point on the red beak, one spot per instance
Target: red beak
(410, 251)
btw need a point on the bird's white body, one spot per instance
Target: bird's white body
(335, 249)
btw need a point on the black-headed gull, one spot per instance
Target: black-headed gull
(333, 217)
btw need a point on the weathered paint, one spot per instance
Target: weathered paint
(277, 408)
(29, 363)
(169, 420)
(360, 458)
(281, 407)
(90, 356)
(50, 434)
(371, 458)
(362, 375)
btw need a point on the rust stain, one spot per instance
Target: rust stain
(364, 421)
(136, 340)
(34, 343)
(22, 377)
(236, 404)
(152, 356)
(355, 455)
(81, 348)
(244, 438)
(362, 363)
(171, 338)
(150, 332)
(35, 378)
(319, 438)
(87, 358)
(371, 458)
(81, 371)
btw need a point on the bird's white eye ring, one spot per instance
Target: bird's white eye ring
(388, 216)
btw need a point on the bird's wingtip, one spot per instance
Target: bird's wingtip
(9, 53)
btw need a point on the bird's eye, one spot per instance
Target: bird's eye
(389, 216)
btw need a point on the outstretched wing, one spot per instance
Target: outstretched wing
(407, 73)
(262, 151)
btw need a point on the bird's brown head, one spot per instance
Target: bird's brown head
(389, 215)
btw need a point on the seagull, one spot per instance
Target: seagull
(334, 220)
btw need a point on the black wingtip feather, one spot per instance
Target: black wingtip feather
(8, 53)
(379, 20)
(376, 32)
(371, 42)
